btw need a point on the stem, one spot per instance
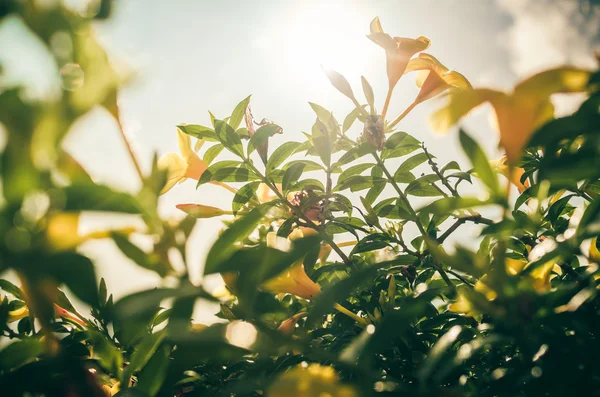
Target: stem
(403, 115)
(387, 102)
(129, 148)
(348, 313)
(400, 193)
(225, 186)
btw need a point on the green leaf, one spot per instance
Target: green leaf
(412, 162)
(291, 175)
(20, 352)
(90, 197)
(281, 154)
(245, 194)
(76, 272)
(208, 174)
(453, 165)
(224, 247)
(322, 114)
(142, 353)
(423, 186)
(108, 354)
(199, 131)
(480, 162)
(368, 90)
(227, 136)
(322, 141)
(154, 373)
(238, 113)
(11, 289)
(339, 292)
(355, 153)
(350, 119)
(260, 140)
(354, 170)
(450, 204)
(138, 256)
(212, 152)
(398, 145)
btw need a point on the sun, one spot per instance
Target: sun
(328, 34)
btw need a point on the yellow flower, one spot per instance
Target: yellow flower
(513, 175)
(291, 281)
(519, 112)
(288, 326)
(310, 381)
(181, 167)
(434, 78)
(62, 231)
(593, 252)
(398, 50)
(16, 315)
(202, 211)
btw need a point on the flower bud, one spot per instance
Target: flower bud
(201, 211)
(373, 131)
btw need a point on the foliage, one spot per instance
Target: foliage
(337, 283)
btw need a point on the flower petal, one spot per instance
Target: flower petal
(459, 104)
(185, 144)
(175, 167)
(375, 26)
(559, 80)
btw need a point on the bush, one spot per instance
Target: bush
(328, 292)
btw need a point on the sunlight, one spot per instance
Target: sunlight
(322, 35)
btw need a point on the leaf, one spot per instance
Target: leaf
(108, 354)
(322, 141)
(368, 91)
(350, 119)
(138, 256)
(208, 174)
(423, 186)
(11, 289)
(227, 136)
(480, 162)
(291, 175)
(155, 372)
(199, 131)
(76, 272)
(354, 170)
(340, 83)
(450, 204)
(322, 114)
(212, 152)
(412, 162)
(20, 352)
(238, 113)
(339, 292)
(281, 154)
(89, 197)
(224, 247)
(453, 165)
(355, 153)
(142, 353)
(245, 194)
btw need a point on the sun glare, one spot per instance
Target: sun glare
(323, 35)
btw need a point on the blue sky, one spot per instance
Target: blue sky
(192, 56)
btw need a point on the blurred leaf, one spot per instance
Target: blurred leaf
(20, 352)
(142, 353)
(89, 197)
(480, 162)
(368, 91)
(244, 195)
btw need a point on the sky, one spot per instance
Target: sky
(192, 56)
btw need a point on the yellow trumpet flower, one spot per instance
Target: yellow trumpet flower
(181, 166)
(520, 112)
(309, 381)
(398, 50)
(62, 231)
(434, 78)
(593, 252)
(291, 281)
(287, 327)
(513, 175)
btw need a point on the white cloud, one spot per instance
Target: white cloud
(547, 33)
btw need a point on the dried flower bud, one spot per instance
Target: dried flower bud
(373, 131)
